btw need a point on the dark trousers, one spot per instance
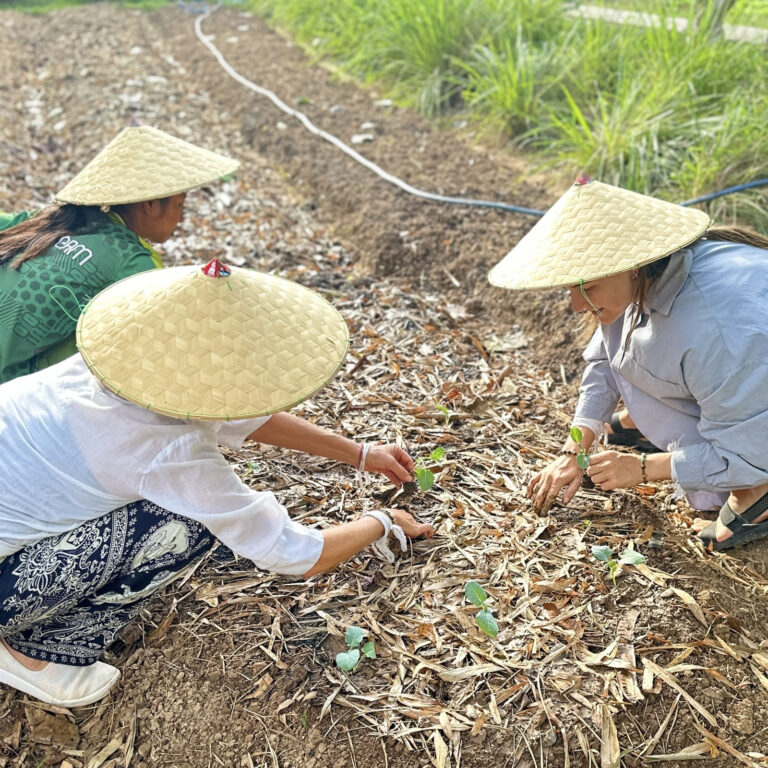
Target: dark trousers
(67, 598)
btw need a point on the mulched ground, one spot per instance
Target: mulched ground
(233, 667)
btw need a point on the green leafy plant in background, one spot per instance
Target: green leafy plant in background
(581, 458)
(605, 555)
(349, 660)
(484, 618)
(424, 476)
(662, 110)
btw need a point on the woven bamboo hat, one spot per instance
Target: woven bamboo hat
(144, 163)
(211, 343)
(595, 230)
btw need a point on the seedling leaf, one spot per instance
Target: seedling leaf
(437, 454)
(354, 636)
(425, 479)
(575, 434)
(487, 623)
(368, 650)
(582, 461)
(602, 553)
(348, 661)
(475, 593)
(630, 557)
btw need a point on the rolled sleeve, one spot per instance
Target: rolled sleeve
(295, 551)
(233, 434)
(598, 393)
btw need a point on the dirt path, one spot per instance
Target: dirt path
(235, 668)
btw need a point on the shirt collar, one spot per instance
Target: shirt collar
(669, 283)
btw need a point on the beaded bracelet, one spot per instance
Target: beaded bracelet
(642, 467)
(566, 452)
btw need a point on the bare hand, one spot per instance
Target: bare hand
(391, 461)
(544, 487)
(611, 469)
(411, 527)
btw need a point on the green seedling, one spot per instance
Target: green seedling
(424, 476)
(581, 458)
(484, 619)
(349, 660)
(446, 411)
(605, 555)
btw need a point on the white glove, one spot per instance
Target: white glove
(380, 546)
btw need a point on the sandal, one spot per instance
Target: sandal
(629, 436)
(742, 526)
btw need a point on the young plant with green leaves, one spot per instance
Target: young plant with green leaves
(424, 476)
(349, 660)
(484, 618)
(446, 411)
(581, 457)
(628, 557)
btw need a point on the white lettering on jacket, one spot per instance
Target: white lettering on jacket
(76, 249)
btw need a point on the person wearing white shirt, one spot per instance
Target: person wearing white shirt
(107, 497)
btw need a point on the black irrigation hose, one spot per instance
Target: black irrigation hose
(312, 128)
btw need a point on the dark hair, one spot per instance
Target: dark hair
(738, 235)
(30, 238)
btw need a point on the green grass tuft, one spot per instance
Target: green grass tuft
(661, 111)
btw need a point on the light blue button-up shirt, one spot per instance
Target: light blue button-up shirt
(694, 376)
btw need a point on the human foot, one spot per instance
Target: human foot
(34, 664)
(742, 515)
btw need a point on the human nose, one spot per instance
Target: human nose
(577, 300)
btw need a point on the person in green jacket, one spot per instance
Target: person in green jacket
(98, 230)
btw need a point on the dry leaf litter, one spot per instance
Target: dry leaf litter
(234, 667)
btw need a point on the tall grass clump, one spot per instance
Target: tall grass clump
(659, 109)
(413, 46)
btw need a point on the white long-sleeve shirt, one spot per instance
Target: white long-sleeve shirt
(71, 451)
(695, 374)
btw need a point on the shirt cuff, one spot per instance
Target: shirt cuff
(296, 550)
(595, 425)
(233, 434)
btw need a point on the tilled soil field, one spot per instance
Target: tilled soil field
(234, 667)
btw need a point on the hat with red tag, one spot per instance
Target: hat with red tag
(211, 343)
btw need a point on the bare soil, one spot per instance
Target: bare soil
(233, 667)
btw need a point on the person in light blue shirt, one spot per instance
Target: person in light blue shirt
(682, 340)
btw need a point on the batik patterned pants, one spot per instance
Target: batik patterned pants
(66, 598)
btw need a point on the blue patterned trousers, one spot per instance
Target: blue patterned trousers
(67, 598)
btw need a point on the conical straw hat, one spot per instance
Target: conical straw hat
(595, 230)
(183, 343)
(144, 164)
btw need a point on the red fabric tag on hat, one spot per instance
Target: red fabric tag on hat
(582, 179)
(215, 268)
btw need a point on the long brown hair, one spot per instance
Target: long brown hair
(30, 238)
(647, 274)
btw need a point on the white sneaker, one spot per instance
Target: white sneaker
(60, 684)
